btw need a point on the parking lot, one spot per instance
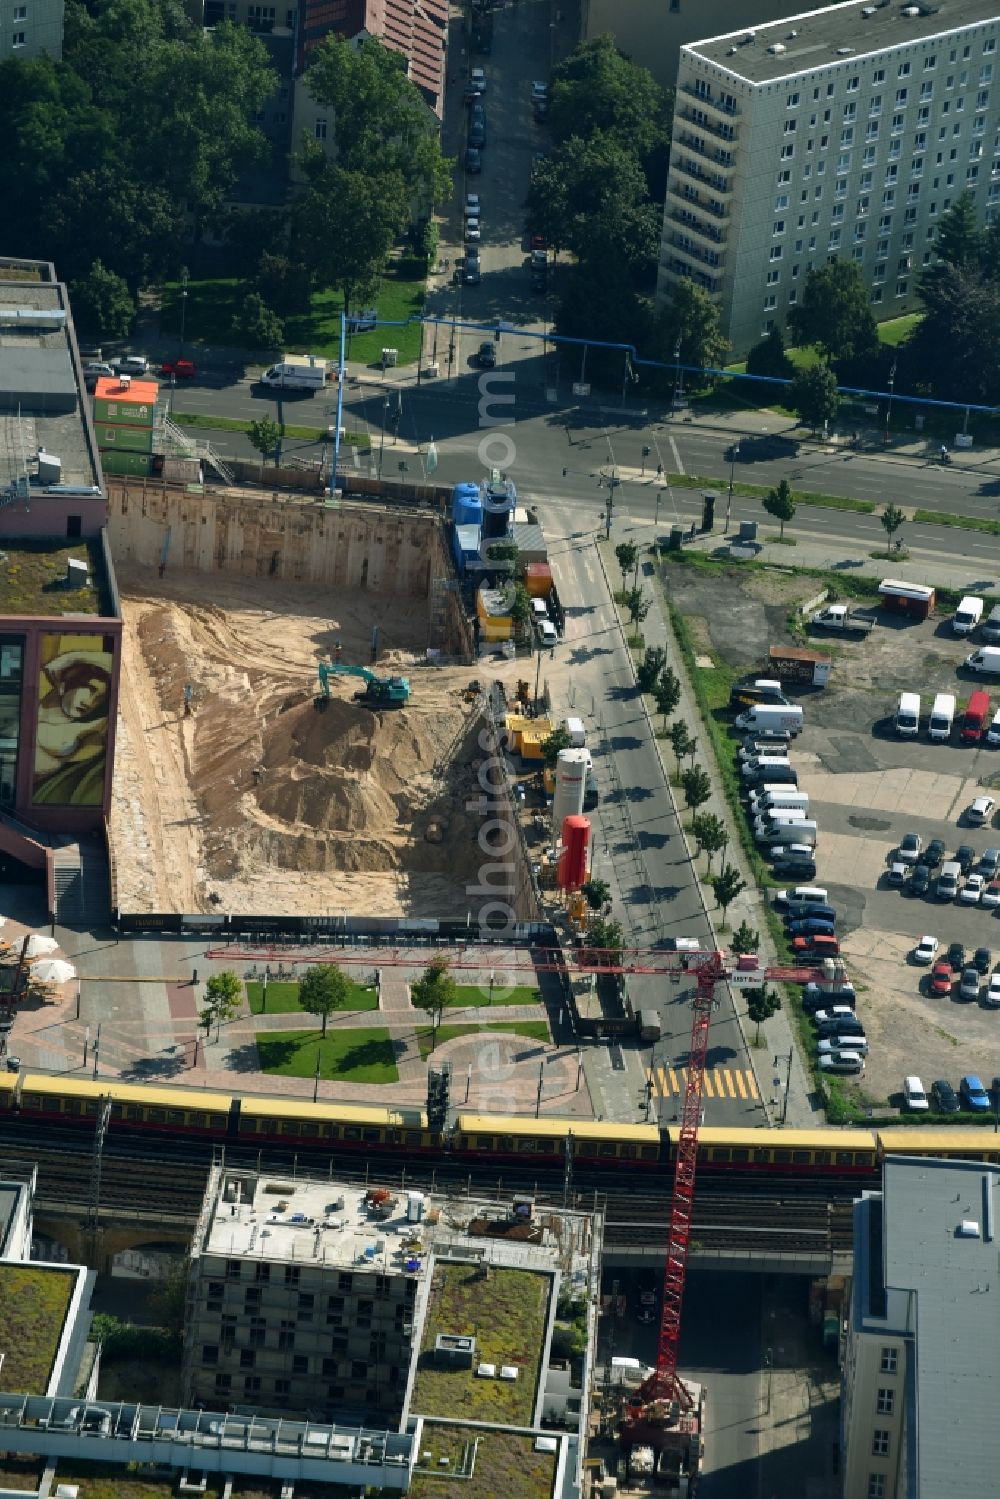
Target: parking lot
(867, 788)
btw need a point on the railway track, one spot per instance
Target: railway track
(172, 1191)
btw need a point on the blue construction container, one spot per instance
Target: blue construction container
(466, 505)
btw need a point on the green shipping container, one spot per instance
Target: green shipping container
(120, 462)
(124, 413)
(135, 439)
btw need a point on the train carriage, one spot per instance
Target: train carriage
(950, 1144)
(8, 1093)
(191, 1111)
(506, 1138)
(338, 1124)
(792, 1152)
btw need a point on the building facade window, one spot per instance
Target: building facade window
(880, 1443)
(876, 1486)
(885, 1402)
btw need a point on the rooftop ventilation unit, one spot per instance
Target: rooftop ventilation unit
(911, 10)
(869, 10)
(124, 382)
(49, 467)
(76, 573)
(776, 48)
(844, 51)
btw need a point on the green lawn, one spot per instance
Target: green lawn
(364, 1056)
(896, 329)
(535, 1030)
(212, 305)
(471, 995)
(283, 999)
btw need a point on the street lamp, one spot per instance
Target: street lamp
(888, 409)
(732, 470)
(184, 298)
(381, 441)
(678, 376)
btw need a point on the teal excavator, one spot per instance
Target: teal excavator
(378, 692)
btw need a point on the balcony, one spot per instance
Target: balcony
(723, 159)
(707, 232)
(675, 267)
(710, 258)
(692, 169)
(697, 117)
(725, 111)
(682, 193)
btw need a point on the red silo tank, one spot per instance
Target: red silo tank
(574, 860)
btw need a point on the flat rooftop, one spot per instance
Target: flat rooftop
(41, 398)
(34, 1300)
(33, 578)
(940, 1251)
(836, 34)
(10, 1196)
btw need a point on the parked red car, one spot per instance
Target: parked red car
(181, 369)
(941, 978)
(817, 946)
(539, 242)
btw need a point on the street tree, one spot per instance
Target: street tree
(727, 887)
(667, 694)
(519, 605)
(780, 502)
(834, 312)
(768, 357)
(102, 303)
(892, 518)
(606, 938)
(654, 659)
(558, 740)
(597, 91)
(384, 128)
(599, 300)
(690, 320)
(434, 991)
(949, 351)
(264, 434)
(696, 785)
(627, 555)
(344, 224)
(591, 197)
(681, 740)
(813, 395)
(761, 1005)
(223, 997)
(711, 834)
(323, 989)
(745, 939)
(637, 603)
(284, 284)
(257, 325)
(597, 893)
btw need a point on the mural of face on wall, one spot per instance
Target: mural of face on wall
(71, 737)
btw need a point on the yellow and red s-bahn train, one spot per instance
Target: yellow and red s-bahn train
(236, 1119)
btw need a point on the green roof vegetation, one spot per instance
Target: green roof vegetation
(33, 1304)
(118, 1481)
(505, 1311)
(503, 1464)
(33, 578)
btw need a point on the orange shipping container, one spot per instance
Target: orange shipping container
(538, 579)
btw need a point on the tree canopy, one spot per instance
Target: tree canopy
(834, 313)
(597, 90)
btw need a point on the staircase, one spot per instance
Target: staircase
(176, 441)
(82, 896)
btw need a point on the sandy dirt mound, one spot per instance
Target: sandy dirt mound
(258, 801)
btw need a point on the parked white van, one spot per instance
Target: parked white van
(908, 714)
(939, 725)
(967, 615)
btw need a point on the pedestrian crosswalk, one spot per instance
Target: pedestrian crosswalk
(719, 1082)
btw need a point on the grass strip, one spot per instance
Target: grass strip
(534, 1030)
(364, 1056)
(758, 491)
(960, 522)
(234, 424)
(283, 998)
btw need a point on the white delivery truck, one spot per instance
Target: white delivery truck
(769, 798)
(766, 818)
(575, 729)
(763, 717)
(908, 714)
(986, 660)
(942, 718)
(297, 372)
(967, 615)
(991, 626)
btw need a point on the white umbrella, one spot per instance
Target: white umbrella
(38, 946)
(54, 971)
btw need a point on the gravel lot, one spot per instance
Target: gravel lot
(867, 788)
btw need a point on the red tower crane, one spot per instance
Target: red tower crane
(664, 1399)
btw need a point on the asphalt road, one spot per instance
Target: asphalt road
(637, 844)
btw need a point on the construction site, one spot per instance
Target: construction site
(245, 780)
